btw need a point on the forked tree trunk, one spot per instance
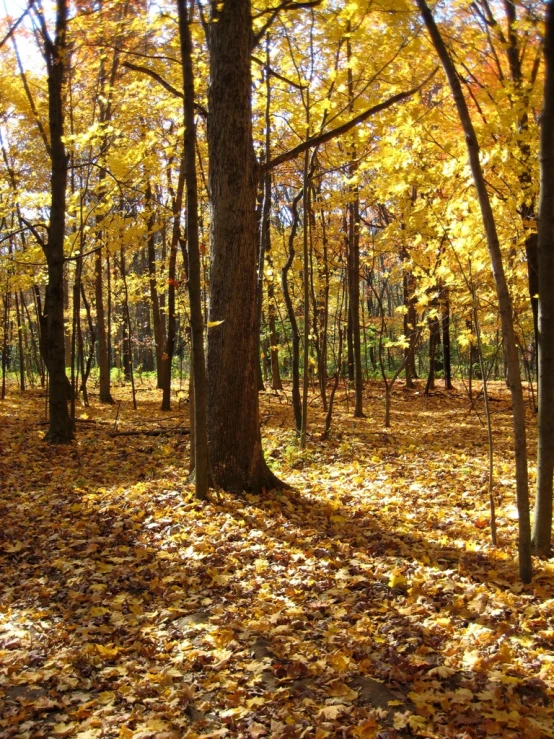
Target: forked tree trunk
(233, 418)
(504, 300)
(542, 527)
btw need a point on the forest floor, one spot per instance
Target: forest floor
(365, 602)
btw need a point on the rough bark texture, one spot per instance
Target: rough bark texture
(60, 430)
(504, 300)
(233, 419)
(542, 527)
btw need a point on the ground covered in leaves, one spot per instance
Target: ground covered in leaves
(365, 602)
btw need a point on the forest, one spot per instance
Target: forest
(277, 369)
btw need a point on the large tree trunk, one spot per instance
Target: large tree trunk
(542, 528)
(503, 294)
(233, 419)
(60, 430)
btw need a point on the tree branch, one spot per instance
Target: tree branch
(16, 24)
(345, 127)
(164, 83)
(286, 5)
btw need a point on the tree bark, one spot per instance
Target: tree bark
(233, 417)
(60, 430)
(542, 526)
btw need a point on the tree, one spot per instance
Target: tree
(233, 423)
(504, 301)
(542, 528)
(199, 419)
(60, 430)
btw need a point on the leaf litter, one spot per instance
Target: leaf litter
(365, 602)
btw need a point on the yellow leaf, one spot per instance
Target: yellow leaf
(397, 580)
(98, 611)
(107, 652)
(17, 546)
(211, 324)
(332, 712)
(343, 691)
(62, 729)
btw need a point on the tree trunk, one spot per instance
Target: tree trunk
(60, 430)
(169, 349)
(103, 359)
(19, 319)
(5, 342)
(410, 320)
(128, 371)
(434, 341)
(542, 526)
(445, 318)
(295, 359)
(159, 330)
(233, 418)
(504, 300)
(354, 255)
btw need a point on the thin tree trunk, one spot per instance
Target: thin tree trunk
(103, 358)
(295, 360)
(169, 349)
(21, 357)
(128, 334)
(159, 332)
(504, 300)
(434, 341)
(5, 342)
(354, 255)
(306, 295)
(542, 526)
(446, 354)
(34, 347)
(92, 341)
